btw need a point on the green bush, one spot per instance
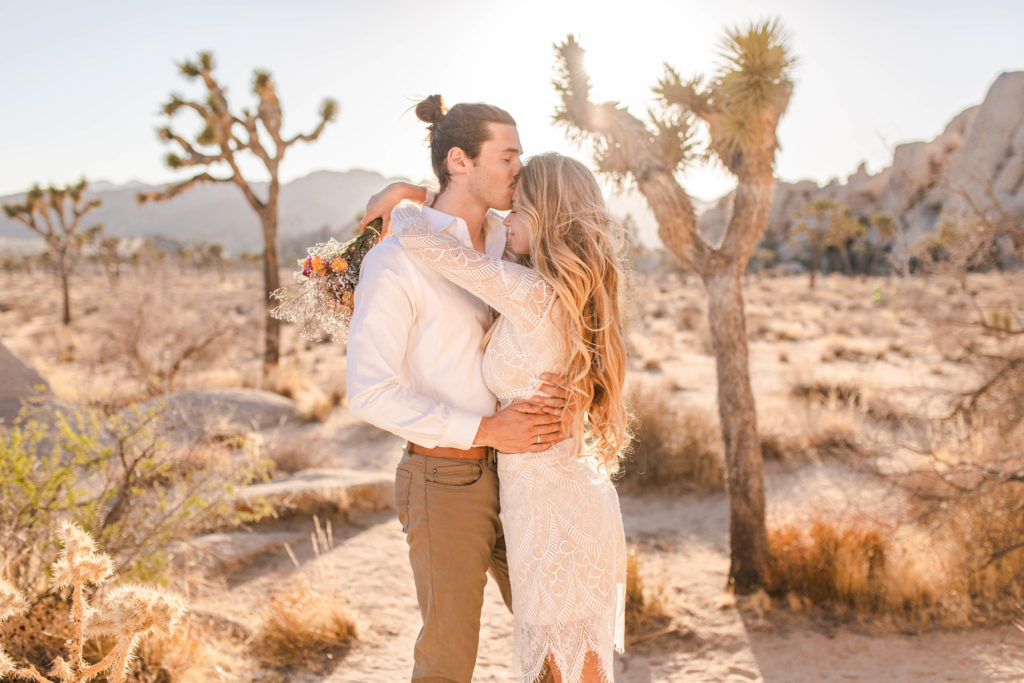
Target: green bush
(122, 478)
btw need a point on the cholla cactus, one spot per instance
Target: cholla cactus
(133, 611)
(12, 602)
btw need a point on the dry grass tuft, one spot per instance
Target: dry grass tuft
(781, 447)
(905, 574)
(304, 629)
(298, 455)
(645, 608)
(293, 381)
(827, 392)
(196, 652)
(833, 563)
(676, 447)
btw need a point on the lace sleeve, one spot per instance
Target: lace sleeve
(517, 292)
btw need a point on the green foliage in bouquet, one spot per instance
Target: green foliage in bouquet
(327, 286)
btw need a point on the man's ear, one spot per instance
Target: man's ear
(458, 162)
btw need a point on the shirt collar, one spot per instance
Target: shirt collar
(494, 230)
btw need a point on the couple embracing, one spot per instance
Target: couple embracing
(461, 312)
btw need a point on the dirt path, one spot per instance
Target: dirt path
(684, 551)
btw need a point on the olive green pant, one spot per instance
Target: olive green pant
(449, 513)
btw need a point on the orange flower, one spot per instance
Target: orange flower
(346, 298)
(318, 265)
(339, 264)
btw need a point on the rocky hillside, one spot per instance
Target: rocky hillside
(981, 151)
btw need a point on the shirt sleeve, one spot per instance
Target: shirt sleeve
(377, 343)
(517, 292)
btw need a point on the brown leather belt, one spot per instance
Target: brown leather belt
(474, 453)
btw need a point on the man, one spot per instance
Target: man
(414, 368)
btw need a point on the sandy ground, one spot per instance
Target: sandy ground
(840, 331)
(683, 543)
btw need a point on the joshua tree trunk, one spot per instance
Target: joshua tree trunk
(738, 415)
(815, 261)
(271, 283)
(65, 275)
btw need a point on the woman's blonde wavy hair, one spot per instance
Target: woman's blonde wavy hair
(575, 245)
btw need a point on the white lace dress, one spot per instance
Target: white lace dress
(563, 528)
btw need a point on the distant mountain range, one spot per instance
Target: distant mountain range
(321, 204)
(219, 214)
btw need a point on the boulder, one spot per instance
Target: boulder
(223, 411)
(18, 381)
(330, 491)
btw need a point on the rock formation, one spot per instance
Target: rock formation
(978, 158)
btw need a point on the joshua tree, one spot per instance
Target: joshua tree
(813, 220)
(740, 107)
(845, 232)
(56, 215)
(224, 138)
(886, 230)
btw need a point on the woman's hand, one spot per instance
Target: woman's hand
(381, 204)
(551, 396)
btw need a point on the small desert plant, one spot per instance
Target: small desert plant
(129, 613)
(676, 447)
(296, 455)
(303, 627)
(645, 610)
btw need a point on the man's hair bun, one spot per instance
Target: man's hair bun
(431, 110)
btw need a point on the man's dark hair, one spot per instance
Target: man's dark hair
(463, 126)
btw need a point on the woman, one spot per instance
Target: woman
(558, 309)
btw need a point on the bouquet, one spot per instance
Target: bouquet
(327, 286)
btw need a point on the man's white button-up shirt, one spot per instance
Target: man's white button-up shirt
(415, 343)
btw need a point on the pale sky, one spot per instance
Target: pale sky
(82, 82)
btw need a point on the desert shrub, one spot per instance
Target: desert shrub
(781, 447)
(303, 629)
(121, 477)
(956, 555)
(857, 352)
(160, 342)
(969, 483)
(675, 446)
(196, 652)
